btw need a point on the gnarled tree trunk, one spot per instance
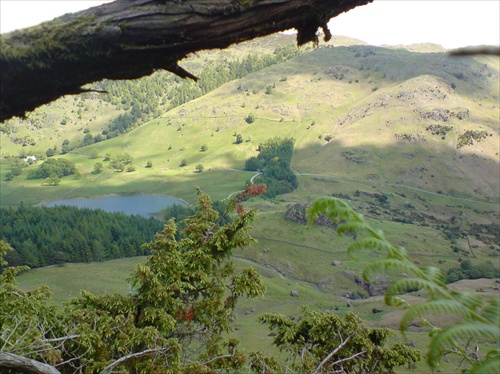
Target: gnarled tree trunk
(129, 39)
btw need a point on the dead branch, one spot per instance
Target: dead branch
(128, 39)
(25, 365)
(110, 367)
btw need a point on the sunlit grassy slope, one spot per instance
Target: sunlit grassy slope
(375, 105)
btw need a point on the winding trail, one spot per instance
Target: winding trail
(251, 181)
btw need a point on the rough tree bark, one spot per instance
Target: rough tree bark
(129, 39)
(25, 365)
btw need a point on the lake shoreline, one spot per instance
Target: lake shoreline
(45, 202)
(147, 205)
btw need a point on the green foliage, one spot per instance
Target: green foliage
(469, 136)
(59, 167)
(52, 180)
(203, 148)
(479, 318)
(468, 270)
(253, 164)
(50, 152)
(182, 302)
(183, 163)
(199, 168)
(121, 161)
(149, 164)
(181, 212)
(41, 234)
(250, 118)
(326, 342)
(94, 154)
(65, 146)
(275, 157)
(239, 139)
(88, 139)
(98, 166)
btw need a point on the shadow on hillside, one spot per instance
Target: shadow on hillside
(448, 172)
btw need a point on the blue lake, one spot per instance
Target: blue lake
(144, 205)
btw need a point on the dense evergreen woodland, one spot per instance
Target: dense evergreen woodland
(274, 159)
(45, 236)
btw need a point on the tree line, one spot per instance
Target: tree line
(274, 160)
(44, 236)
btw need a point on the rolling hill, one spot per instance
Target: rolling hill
(408, 135)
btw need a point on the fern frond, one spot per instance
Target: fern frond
(487, 366)
(434, 274)
(492, 312)
(467, 330)
(440, 306)
(390, 264)
(405, 285)
(335, 209)
(369, 243)
(398, 302)
(469, 300)
(351, 228)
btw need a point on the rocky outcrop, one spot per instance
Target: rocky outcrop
(297, 213)
(377, 287)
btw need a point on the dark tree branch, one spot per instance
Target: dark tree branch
(473, 51)
(24, 365)
(129, 39)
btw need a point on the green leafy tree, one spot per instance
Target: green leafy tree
(203, 148)
(52, 180)
(88, 139)
(323, 342)
(480, 318)
(149, 164)
(9, 176)
(183, 163)
(98, 167)
(117, 165)
(250, 118)
(65, 146)
(94, 154)
(239, 139)
(200, 168)
(184, 300)
(60, 167)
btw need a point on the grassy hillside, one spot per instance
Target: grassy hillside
(409, 136)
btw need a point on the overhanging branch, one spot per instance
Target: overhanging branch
(128, 39)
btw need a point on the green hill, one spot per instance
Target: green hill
(409, 136)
